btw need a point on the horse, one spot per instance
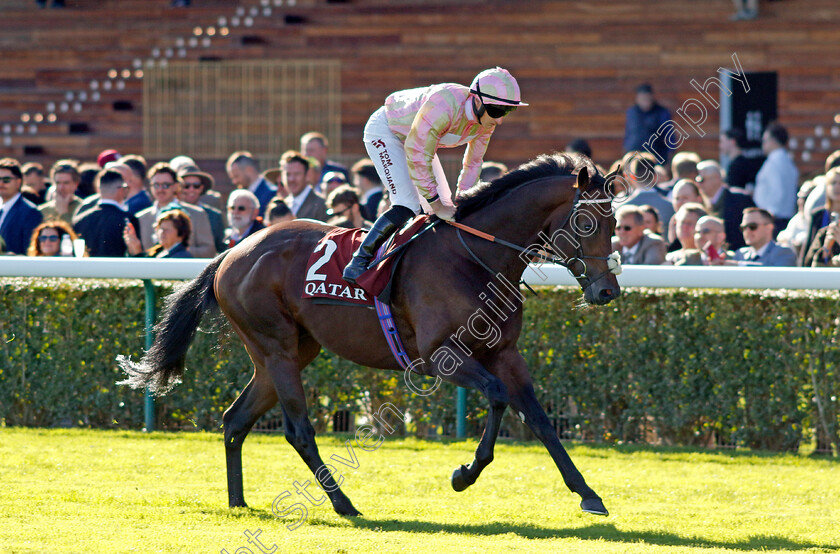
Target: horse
(548, 204)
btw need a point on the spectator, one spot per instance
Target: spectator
(825, 250)
(744, 10)
(683, 166)
(87, 180)
(821, 218)
(579, 146)
(18, 216)
(34, 186)
(210, 197)
(778, 179)
(274, 176)
(723, 202)
(244, 174)
(194, 187)
(640, 176)
(344, 209)
(102, 226)
(710, 240)
(741, 171)
(644, 119)
(166, 188)
(635, 246)
(107, 156)
(172, 229)
(313, 174)
(366, 179)
(65, 177)
(278, 212)
(138, 196)
(491, 170)
(796, 233)
(685, 223)
(332, 180)
(761, 249)
(46, 239)
(652, 222)
(243, 214)
(816, 199)
(316, 145)
(302, 199)
(685, 191)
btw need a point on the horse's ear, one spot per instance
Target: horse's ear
(583, 179)
(613, 174)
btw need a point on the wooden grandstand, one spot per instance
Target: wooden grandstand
(577, 62)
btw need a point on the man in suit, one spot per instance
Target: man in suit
(636, 246)
(761, 249)
(102, 226)
(244, 173)
(726, 204)
(316, 145)
(302, 200)
(18, 216)
(366, 179)
(166, 187)
(243, 213)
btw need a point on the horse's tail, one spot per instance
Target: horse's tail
(161, 367)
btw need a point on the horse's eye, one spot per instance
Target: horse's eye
(587, 228)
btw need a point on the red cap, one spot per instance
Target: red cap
(107, 156)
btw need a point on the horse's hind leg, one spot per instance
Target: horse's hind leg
(257, 398)
(299, 431)
(523, 399)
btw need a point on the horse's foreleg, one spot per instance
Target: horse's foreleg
(473, 375)
(257, 398)
(524, 400)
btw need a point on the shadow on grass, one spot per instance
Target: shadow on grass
(597, 531)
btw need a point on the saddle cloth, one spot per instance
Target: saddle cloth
(334, 252)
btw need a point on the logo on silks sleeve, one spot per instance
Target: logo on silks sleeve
(327, 262)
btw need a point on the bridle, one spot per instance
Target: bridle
(613, 260)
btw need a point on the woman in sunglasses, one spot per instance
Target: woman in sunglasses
(402, 138)
(46, 238)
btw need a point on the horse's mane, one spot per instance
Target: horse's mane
(546, 165)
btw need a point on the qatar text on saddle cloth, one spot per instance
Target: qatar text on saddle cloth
(334, 252)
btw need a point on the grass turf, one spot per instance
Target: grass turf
(106, 491)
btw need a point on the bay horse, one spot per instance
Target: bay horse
(438, 285)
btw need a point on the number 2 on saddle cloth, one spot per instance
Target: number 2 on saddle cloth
(323, 270)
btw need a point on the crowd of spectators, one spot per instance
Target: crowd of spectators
(120, 206)
(687, 211)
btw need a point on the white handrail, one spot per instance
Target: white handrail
(793, 278)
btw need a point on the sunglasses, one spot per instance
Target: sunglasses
(751, 226)
(164, 186)
(193, 185)
(625, 227)
(7, 179)
(496, 110)
(339, 212)
(50, 238)
(238, 208)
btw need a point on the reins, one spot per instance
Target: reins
(613, 261)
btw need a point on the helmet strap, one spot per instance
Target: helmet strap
(478, 107)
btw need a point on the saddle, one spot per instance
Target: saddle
(324, 282)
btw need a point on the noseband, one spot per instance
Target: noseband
(613, 260)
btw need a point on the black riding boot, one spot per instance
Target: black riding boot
(384, 227)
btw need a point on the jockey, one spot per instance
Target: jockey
(402, 138)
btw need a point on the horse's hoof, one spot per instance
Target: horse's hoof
(346, 509)
(594, 506)
(458, 481)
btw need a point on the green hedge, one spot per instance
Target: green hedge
(683, 367)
